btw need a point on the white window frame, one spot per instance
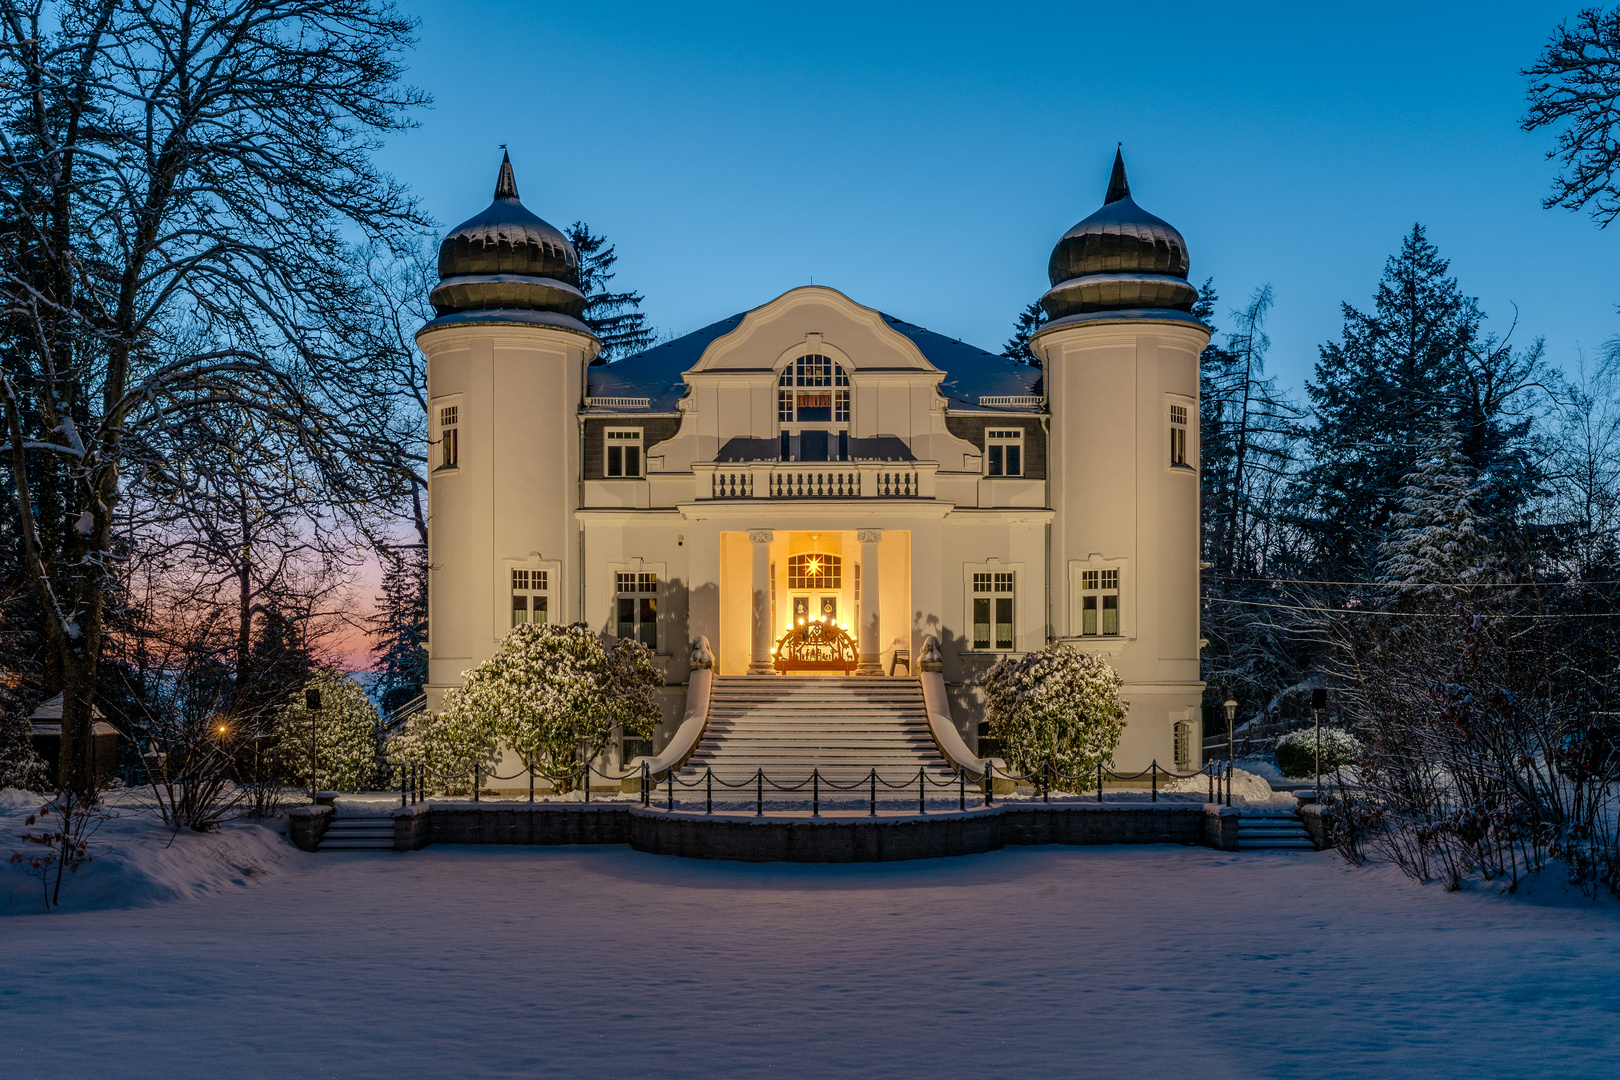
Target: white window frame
(1082, 584)
(446, 436)
(1000, 439)
(1181, 436)
(553, 592)
(997, 571)
(530, 584)
(623, 439)
(637, 569)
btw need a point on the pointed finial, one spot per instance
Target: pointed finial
(506, 186)
(1118, 187)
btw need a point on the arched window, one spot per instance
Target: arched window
(815, 571)
(812, 372)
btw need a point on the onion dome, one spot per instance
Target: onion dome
(1121, 258)
(506, 258)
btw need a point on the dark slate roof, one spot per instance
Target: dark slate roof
(970, 373)
(877, 448)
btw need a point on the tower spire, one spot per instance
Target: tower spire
(1118, 187)
(506, 185)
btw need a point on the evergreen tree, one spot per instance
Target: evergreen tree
(614, 317)
(344, 729)
(1017, 348)
(1442, 536)
(1393, 379)
(400, 627)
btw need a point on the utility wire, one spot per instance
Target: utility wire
(1402, 614)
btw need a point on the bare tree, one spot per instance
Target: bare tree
(181, 183)
(1575, 88)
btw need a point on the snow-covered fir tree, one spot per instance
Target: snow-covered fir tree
(1441, 536)
(615, 318)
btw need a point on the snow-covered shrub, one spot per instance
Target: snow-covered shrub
(1296, 751)
(344, 729)
(1058, 707)
(554, 694)
(20, 766)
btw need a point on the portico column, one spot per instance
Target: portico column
(871, 643)
(760, 661)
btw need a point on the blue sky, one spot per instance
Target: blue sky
(925, 158)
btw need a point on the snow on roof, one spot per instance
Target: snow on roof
(971, 373)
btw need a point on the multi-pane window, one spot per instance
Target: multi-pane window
(636, 607)
(812, 372)
(449, 444)
(1099, 602)
(993, 611)
(624, 452)
(530, 596)
(1178, 435)
(1004, 452)
(815, 572)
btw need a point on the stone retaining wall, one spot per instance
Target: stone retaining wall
(803, 839)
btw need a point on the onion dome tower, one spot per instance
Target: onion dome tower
(507, 259)
(1119, 358)
(506, 359)
(1120, 258)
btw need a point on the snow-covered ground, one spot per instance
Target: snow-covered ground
(1140, 961)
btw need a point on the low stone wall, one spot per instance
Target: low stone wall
(307, 824)
(801, 839)
(1315, 824)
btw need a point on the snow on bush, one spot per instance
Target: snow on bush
(1058, 707)
(345, 731)
(1296, 751)
(554, 694)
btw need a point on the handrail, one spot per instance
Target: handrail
(687, 736)
(943, 728)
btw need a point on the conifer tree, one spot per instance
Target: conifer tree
(400, 627)
(614, 317)
(1017, 348)
(1441, 536)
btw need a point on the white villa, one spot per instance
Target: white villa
(816, 488)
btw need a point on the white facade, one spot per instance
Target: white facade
(991, 504)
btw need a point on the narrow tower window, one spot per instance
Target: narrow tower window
(1004, 452)
(1099, 602)
(993, 611)
(624, 452)
(449, 445)
(1178, 435)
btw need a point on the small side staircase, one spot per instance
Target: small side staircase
(370, 833)
(1276, 829)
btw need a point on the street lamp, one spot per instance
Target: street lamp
(1231, 715)
(1318, 703)
(312, 702)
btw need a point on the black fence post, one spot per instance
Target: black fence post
(873, 796)
(989, 782)
(402, 785)
(531, 777)
(478, 775)
(961, 788)
(646, 796)
(815, 792)
(922, 791)
(1099, 781)
(670, 798)
(587, 779)
(1046, 781)
(759, 792)
(1154, 778)
(708, 783)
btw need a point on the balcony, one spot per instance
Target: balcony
(817, 480)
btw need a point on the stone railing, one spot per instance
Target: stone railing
(817, 480)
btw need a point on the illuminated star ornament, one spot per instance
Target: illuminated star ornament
(812, 567)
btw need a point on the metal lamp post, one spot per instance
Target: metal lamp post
(1231, 759)
(1318, 703)
(312, 702)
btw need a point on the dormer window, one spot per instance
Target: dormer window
(623, 452)
(1004, 452)
(808, 391)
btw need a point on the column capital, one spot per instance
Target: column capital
(761, 536)
(868, 536)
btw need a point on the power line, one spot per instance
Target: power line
(1403, 614)
(1424, 584)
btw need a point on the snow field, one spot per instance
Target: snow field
(1073, 962)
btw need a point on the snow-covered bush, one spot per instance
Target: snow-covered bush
(1296, 751)
(344, 729)
(20, 766)
(554, 694)
(1058, 707)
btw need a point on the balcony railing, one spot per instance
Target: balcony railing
(816, 480)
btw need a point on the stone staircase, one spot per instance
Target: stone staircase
(368, 833)
(1277, 829)
(843, 726)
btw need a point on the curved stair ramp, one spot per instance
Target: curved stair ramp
(1276, 829)
(369, 832)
